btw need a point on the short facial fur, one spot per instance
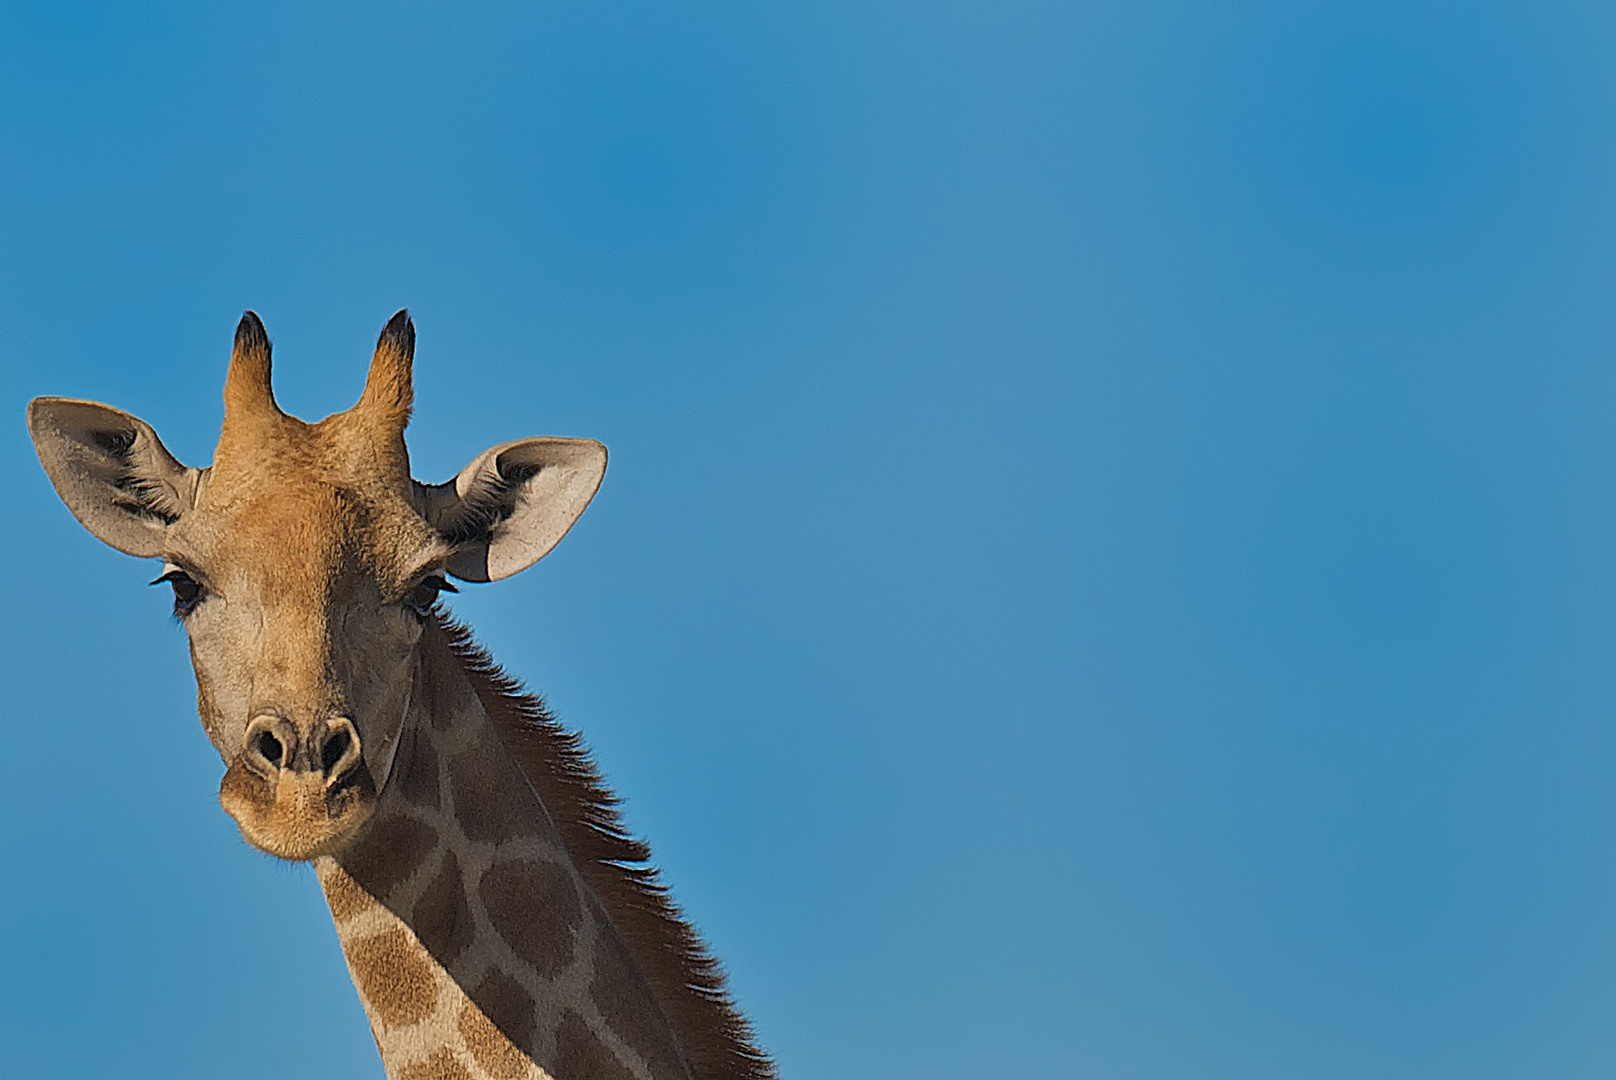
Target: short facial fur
(303, 561)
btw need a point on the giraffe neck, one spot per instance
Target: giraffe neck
(477, 946)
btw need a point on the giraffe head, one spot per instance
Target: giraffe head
(303, 561)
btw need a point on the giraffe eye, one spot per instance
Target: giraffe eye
(425, 593)
(188, 591)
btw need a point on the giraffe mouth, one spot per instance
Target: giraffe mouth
(294, 814)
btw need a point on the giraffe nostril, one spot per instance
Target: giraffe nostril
(269, 748)
(339, 751)
(334, 749)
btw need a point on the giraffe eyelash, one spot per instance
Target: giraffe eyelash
(188, 591)
(423, 595)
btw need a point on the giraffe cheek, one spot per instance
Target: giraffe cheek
(212, 722)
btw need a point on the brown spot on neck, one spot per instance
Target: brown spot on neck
(442, 919)
(394, 976)
(493, 1051)
(580, 1053)
(485, 783)
(510, 1008)
(441, 1065)
(388, 852)
(345, 895)
(534, 906)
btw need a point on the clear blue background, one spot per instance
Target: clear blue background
(1109, 562)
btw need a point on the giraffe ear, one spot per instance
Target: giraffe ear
(112, 471)
(513, 503)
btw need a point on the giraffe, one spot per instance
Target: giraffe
(495, 917)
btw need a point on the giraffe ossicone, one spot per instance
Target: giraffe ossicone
(496, 919)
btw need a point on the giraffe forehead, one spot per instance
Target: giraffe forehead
(301, 535)
(295, 535)
(298, 510)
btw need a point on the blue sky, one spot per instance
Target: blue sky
(1108, 567)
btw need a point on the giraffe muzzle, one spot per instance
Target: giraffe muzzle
(298, 792)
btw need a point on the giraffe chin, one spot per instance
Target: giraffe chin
(297, 816)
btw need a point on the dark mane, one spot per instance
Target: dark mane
(686, 979)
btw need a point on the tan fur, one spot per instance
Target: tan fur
(395, 980)
(497, 920)
(497, 1055)
(344, 895)
(439, 1065)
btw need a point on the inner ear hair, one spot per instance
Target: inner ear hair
(512, 503)
(112, 471)
(486, 505)
(142, 490)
